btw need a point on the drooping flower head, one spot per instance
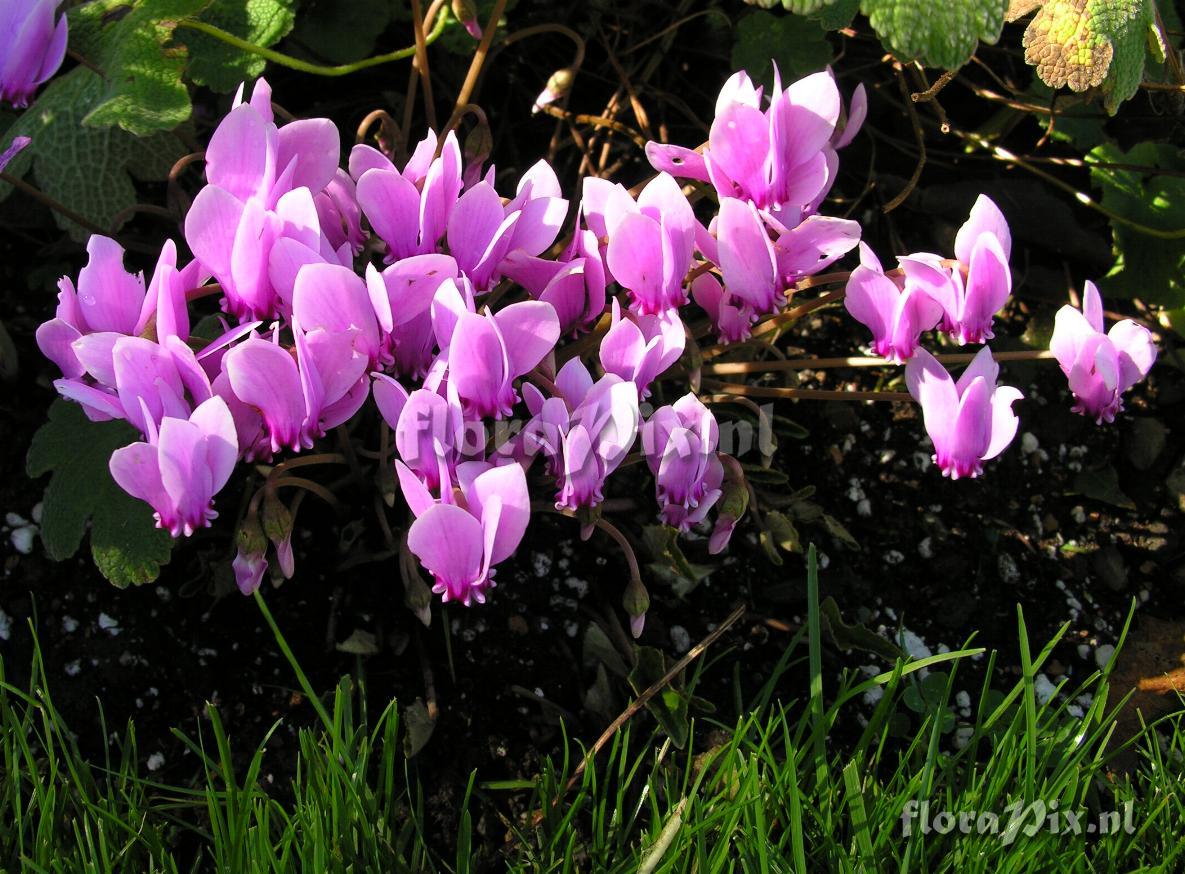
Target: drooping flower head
(679, 442)
(1100, 367)
(181, 467)
(895, 311)
(969, 421)
(32, 47)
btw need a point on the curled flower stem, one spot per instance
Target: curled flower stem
(728, 391)
(736, 367)
(306, 461)
(308, 485)
(304, 66)
(630, 558)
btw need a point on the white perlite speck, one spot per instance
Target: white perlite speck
(5, 626)
(894, 557)
(69, 624)
(111, 626)
(1102, 655)
(1043, 688)
(74, 668)
(155, 762)
(22, 538)
(1006, 567)
(680, 638)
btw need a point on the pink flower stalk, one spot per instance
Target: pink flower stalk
(181, 467)
(969, 421)
(459, 543)
(680, 442)
(895, 311)
(487, 352)
(32, 47)
(639, 349)
(256, 222)
(1100, 367)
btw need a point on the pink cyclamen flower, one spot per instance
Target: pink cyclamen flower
(181, 467)
(680, 443)
(781, 158)
(1100, 367)
(32, 47)
(639, 349)
(969, 421)
(487, 352)
(460, 543)
(895, 311)
(979, 285)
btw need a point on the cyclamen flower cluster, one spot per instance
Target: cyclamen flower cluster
(312, 327)
(281, 228)
(971, 420)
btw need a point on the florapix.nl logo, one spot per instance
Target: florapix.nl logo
(1016, 819)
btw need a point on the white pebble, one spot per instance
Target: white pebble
(38, 509)
(5, 626)
(893, 557)
(111, 626)
(1006, 567)
(1083, 651)
(74, 668)
(1029, 443)
(155, 762)
(680, 639)
(22, 538)
(1043, 688)
(925, 548)
(864, 508)
(15, 520)
(1078, 514)
(1102, 655)
(69, 624)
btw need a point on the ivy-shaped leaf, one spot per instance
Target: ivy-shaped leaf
(940, 34)
(126, 545)
(796, 44)
(1081, 44)
(130, 42)
(1149, 267)
(342, 31)
(223, 67)
(89, 169)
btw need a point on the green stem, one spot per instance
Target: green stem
(304, 66)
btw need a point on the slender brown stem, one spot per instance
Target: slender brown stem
(730, 390)
(736, 367)
(790, 315)
(640, 702)
(308, 485)
(479, 58)
(306, 461)
(54, 204)
(417, 15)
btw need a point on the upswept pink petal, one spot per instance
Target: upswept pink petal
(985, 218)
(109, 298)
(634, 257)
(265, 377)
(989, 283)
(477, 365)
(677, 160)
(529, 330)
(1137, 351)
(747, 258)
(315, 145)
(509, 485)
(240, 158)
(391, 204)
(738, 151)
(1004, 421)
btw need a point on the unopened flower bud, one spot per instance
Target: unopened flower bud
(557, 86)
(277, 525)
(465, 11)
(733, 504)
(249, 563)
(636, 601)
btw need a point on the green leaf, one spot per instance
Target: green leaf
(942, 34)
(1150, 267)
(670, 564)
(796, 44)
(837, 14)
(342, 31)
(1103, 485)
(126, 545)
(418, 727)
(1083, 44)
(88, 169)
(129, 41)
(222, 67)
(669, 706)
(854, 636)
